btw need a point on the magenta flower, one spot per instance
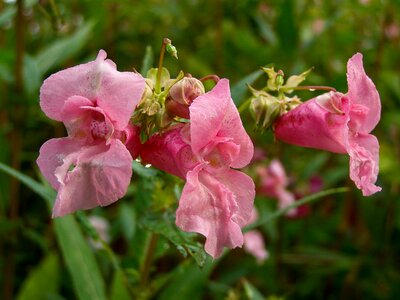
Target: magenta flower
(341, 123)
(216, 200)
(274, 184)
(92, 166)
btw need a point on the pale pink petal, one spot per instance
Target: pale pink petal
(115, 92)
(276, 170)
(209, 207)
(363, 91)
(315, 124)
(286, 198)
(96, 175)
(214, 114)
(52, 154)
(255, 245)
(364, 162)
(169, 152)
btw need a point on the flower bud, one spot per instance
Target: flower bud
(265, 109)
(182, 94)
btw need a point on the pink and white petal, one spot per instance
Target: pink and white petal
(276, 170)
(116, 92)
(254, 244)
(100, 175)
(286, 198)
(214, 114)
(314, 125)
(72, 108)
(169, 153)
(363, 91)
(364, 162)
(52, 154)
(208, 207)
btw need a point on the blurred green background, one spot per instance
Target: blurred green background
(347, 247)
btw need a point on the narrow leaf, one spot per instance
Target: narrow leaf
(239, 90)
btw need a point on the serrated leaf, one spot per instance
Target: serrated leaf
(43, 281)
(185, 242)
(63, 48)
(78, 257)
(239, 89)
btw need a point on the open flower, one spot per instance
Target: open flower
(216, 200)
(254, 241)
(92, 166)
(341, 123)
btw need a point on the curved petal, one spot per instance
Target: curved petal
(364, 162)
(362, 91)
(96, 175)
(169, 153)
(52, 154)
(214, 114)
(117, 93)
(315, 124)
(210, 207)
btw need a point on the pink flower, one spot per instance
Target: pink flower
(274, 183)
(216, 200)
(254, 241)
(92, 166)
(341, 123)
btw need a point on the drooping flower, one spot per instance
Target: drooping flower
(254, 241)
(92, 166)
(341, 123)
(216, 200)
(274, 182)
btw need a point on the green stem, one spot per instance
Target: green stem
(145, 270)
(304, 200)
(244, 106)
(164, 44)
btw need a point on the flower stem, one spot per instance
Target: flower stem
(145, 270)
(311, 88)
(212, 77)
(164, 44)
(302, 201)
(244, 106)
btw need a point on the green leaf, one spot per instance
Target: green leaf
(43, 281)
(185, 242)
(148, 61)
(251, 292)
(188, 282)
(63, 49)
(239, 90)
(32, 75)
(78, 257)
(118, 288)
(143, 171)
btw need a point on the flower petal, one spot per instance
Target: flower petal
(169, 152)
(212, 208)
(362, 91)
(117, 93)
(364, 162)
(214, 114)
(92, 176)
(255, 245)
(52, 154)
(315, 124)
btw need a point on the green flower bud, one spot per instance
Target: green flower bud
(265, 109)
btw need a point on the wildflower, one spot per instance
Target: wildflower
(341, 123)
(92, 166)
(216, 200)
(254, 241)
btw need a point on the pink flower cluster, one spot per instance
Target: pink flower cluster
(216, 200)
(341, 123)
